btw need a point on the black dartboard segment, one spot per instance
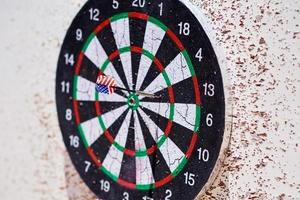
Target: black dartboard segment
(161, 148)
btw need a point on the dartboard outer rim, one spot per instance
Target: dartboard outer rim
(211, 34)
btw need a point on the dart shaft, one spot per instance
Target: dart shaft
(138, 92)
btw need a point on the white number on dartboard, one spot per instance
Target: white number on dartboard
(125, 196)
(69, 59)
(184, 28)
(139, 3)
(203, 154)
(105, 186)
(68, 114)
(209, 120)
(115, 4)
(87, 166)
(209, 89)
(199, 55)
(161, 6)
(78, 34)
(94, 14)
(74, 141)
(169, 194)
(189, 178)
(147, 198)
(65, 87)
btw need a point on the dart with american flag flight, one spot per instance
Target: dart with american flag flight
(107, 85)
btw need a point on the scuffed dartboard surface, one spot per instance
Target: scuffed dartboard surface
(125, 145)
(260, 42)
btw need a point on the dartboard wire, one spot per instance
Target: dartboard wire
(170, 91)
(120, 29)
(152, 40)
(143, 165)
(115, 161)
(179, 168)
(93, 45)
(168, 151)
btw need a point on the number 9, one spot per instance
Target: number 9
(79, 34)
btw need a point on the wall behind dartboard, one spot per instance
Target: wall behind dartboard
(261, 41)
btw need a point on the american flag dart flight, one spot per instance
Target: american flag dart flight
(142, 99)
(105, 85)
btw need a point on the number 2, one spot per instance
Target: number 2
(169, 194)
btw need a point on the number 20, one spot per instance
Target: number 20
(139, 3)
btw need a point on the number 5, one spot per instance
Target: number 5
(115, 4)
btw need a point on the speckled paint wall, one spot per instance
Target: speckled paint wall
(260, 40)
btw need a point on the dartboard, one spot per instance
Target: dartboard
(160, 136)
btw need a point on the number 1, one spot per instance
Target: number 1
(161, 6)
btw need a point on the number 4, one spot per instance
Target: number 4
(199, 55)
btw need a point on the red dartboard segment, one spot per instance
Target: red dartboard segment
(78, 64)
(192, 146)
(101, 26)
(94, 157)
(197, 90)
(76, 112)
(138, 15)
(172, 35)
(114, 55)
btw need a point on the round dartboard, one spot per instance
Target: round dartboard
(162, 135)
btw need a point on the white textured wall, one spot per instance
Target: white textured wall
(260, 39)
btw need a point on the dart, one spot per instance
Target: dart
(107, 85)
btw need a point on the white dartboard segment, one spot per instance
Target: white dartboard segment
(152, 41)
(143, 166)
(172, 154)
(184, 114)
(85, 90)
(177, 71)
(145, 64)
(155, 132)
(144, 175)
(92, 130)
(138, 134)
(162, 109)
(96, 53)
(114, 158)
(110, 117)
(121, 33)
